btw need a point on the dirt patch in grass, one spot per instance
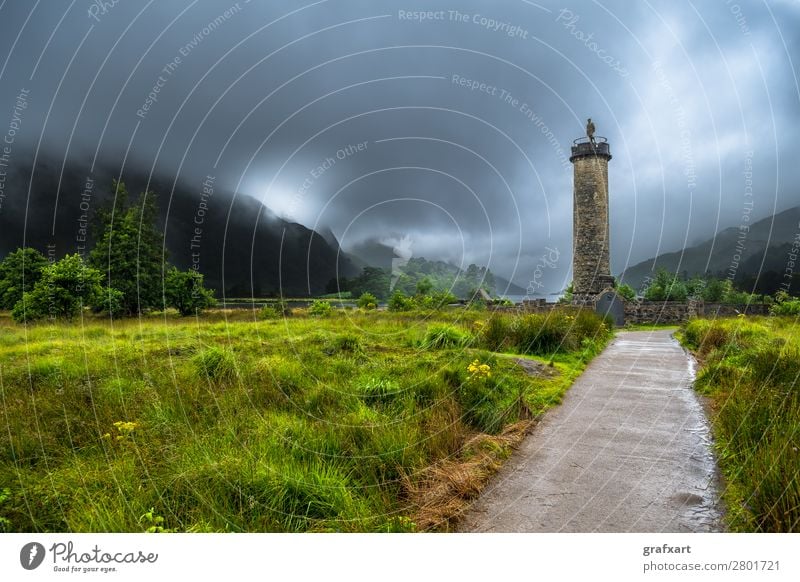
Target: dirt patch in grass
(446, 489)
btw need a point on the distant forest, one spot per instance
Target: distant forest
(418, 272)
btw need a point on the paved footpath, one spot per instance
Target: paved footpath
(628, 450)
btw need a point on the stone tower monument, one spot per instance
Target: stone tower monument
(591, 266)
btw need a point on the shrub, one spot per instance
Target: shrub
(441, 335)
(184, 291)
(19, 272)
(275, 309)
(320, 308)
(627, 292)
(786, 308)
(282, 307)
(268, 312)
(65, 287)
(400, 302)
(367, 301)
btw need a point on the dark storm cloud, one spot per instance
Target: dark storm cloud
(465, 119)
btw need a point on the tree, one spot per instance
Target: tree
(184, 291)
(19, 272)
(666, 287)
(129, 250)
(63, 290)
(371, 280)
(424, 286)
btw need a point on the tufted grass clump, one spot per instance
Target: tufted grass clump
(442, 335)
(216, 363)
(543, 334)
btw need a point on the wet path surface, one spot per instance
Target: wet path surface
(628, 450)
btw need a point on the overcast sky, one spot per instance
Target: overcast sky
(452, 131)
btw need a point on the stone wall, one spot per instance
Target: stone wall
(660, 311)
(678, 312)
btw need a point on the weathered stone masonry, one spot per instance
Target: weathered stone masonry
(591, 266)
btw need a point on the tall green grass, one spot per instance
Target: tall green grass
(234, 422)
(559, 331)
(751, 371)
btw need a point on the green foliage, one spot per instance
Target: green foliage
(5, 523)
(400, 302)
(786, 308)
(713, 291)
(627, 292)
(19, 272)
(269, 312)
(442, 335)
(109, 301)
(184, 291)
(281, 307)
(129, 250)
(320, 308)
(422, 278)
(424, 286)
(367, 301)
(372, 280)
(63, 290)
(154, 523)
(435, 301)
(566, 298)
(666, 287)
(751, 369)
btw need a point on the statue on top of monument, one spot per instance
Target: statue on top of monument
(590, 129)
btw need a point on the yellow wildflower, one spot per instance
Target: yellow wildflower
(478, 370)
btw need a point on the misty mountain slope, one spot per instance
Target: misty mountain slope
(377, 253)
(765, 240)
(235, 241)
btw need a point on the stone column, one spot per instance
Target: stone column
(591, 265)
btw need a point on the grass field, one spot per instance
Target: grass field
(751, 372)
(360, 421)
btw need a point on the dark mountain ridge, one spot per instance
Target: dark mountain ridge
(241, 247)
